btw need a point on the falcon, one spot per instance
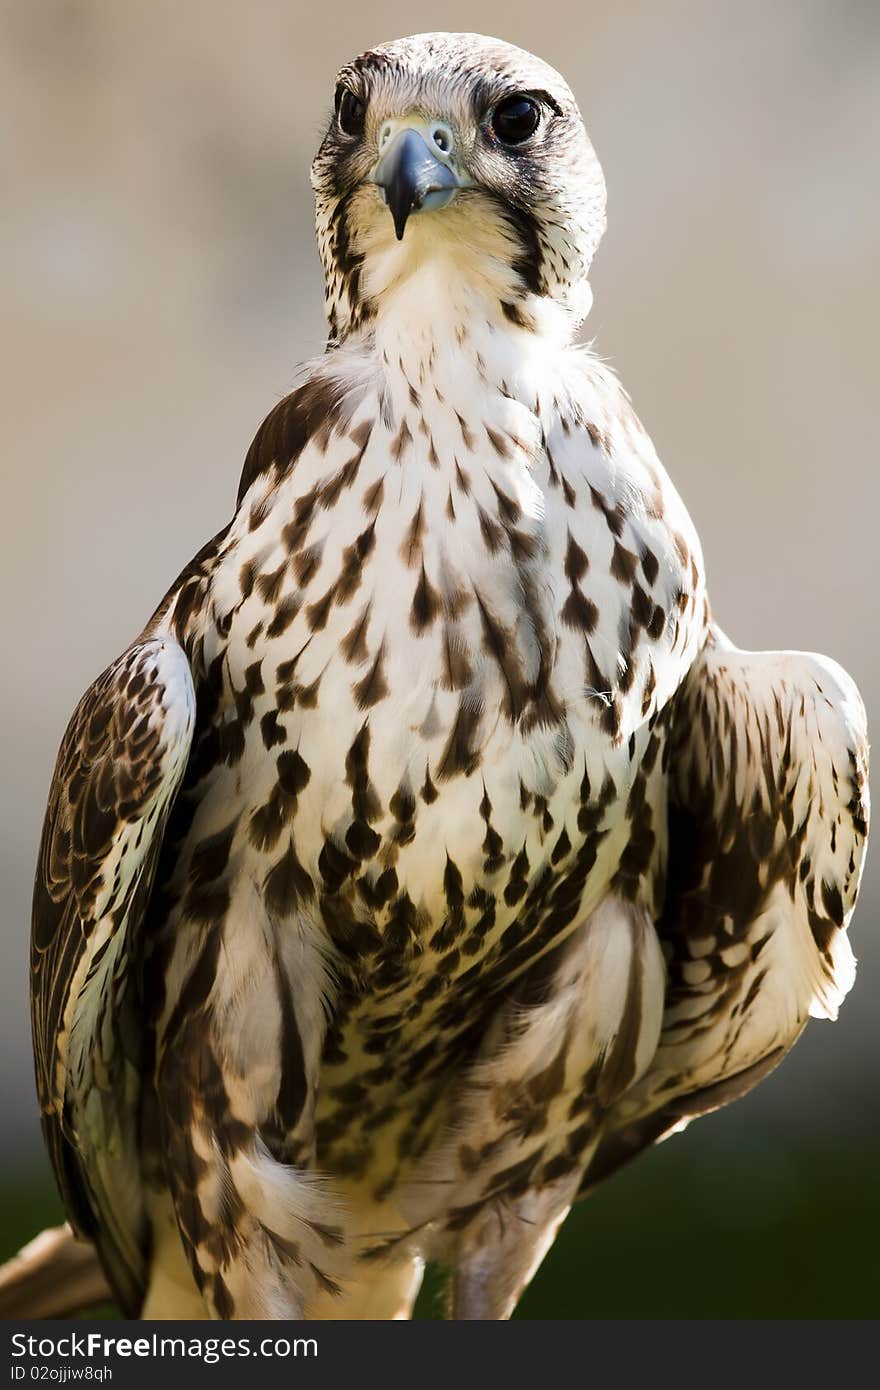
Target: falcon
(431, 852)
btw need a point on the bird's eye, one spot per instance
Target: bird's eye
(515, 119)
(351, 111)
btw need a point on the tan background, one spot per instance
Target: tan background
(158, 281)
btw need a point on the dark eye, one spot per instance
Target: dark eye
(515, 119)
(350, 111)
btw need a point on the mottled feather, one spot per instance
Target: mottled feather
(118, 769)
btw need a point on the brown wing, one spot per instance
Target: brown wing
(118, 770)
(767, 828)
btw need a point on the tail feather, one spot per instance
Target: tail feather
(53, 1276)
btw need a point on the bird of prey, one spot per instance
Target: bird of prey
(430, 852)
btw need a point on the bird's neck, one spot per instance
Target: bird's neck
(446, 329)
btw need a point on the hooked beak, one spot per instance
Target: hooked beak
(412, 178)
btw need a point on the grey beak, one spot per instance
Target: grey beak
(412, 177)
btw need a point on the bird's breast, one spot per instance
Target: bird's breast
(438, 649)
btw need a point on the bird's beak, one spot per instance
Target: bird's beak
(412, 177)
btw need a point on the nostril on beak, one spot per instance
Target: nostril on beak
(441, 136)
(438, 134)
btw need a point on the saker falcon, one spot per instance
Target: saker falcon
(430, 852)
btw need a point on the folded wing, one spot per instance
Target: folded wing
(118, 770)
(768, 819)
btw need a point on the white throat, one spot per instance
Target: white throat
(454, 316)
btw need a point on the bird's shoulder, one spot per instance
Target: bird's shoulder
(594, 432)
(324, 397)
(628, 536)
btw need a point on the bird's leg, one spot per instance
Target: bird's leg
(528, 1117)
(236, 1085)
(502, 1248)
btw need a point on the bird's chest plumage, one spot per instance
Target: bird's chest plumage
(438, 647)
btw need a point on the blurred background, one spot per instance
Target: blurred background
(158, 282)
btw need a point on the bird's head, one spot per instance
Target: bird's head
(461, 156)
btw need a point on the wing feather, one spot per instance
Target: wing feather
(119, 767)
(767, 827)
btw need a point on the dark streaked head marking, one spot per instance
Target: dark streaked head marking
(494, 158)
